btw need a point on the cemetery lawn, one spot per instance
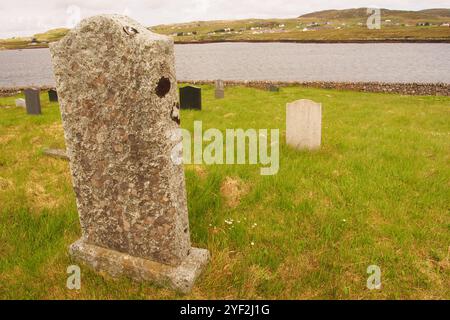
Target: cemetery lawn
(377, 193)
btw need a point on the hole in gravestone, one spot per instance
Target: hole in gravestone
(130, 30)
(163, 87)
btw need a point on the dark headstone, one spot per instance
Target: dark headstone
(191, 98)
(52, 95)
(274, 88)
(32, 100)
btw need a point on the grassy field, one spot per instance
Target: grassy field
(334, 26)
(377, 193)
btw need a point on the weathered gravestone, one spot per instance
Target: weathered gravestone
(304, 124)
(220, 90)
(32, 101)
(52, 95)
(21, 103)
(191, 98)
(118, 95)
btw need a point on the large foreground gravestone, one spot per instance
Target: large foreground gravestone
(304, 124)
(191, 98)
(220, 89)
(32, 101)
(118, 96)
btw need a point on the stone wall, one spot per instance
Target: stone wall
(12, 91)
(420, 89)
(433, 89)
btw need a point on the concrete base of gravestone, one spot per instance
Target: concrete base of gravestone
(304, 124)
(180, 278)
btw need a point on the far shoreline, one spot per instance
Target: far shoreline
(356, 41)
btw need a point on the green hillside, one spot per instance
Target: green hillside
(323, 26)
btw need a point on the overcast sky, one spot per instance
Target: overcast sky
(27, 17)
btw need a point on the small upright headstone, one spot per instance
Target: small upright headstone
(304, 124)
(119, 109)
(21, 103)
(220, 90)
(274, 88)
(32, 100)
(191, 98)
(52, 95)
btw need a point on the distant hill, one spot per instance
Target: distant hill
(329, 26)
(361, 13)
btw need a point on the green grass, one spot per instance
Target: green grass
(377, 193)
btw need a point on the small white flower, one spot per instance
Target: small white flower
(252, 243)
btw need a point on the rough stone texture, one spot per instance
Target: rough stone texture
(180, 278)
(118, 97)
(220, 90)
(304, 124)
(56, 153)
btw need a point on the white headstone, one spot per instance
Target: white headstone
(20, 103)
(304, 124)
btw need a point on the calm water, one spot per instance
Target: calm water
(270, 61)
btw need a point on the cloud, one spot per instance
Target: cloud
(27, 17)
